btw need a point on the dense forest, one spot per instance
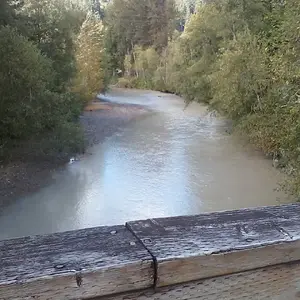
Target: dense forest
(44, 81)
(241, 57)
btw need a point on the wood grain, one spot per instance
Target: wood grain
(196, 247)
(280, 282)
(252, 253)
(74, 265)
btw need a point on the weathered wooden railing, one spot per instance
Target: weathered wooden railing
(246, 254)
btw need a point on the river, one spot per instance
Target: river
(172, 161)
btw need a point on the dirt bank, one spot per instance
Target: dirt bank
(99, 121)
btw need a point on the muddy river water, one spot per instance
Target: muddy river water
(172, 161)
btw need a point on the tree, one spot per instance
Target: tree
(131, 23)
(53, 25)
(90, 59)
(37, 64)
(25, 77)
(7, 13)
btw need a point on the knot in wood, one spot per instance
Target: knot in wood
(147, 241)
(59, 267)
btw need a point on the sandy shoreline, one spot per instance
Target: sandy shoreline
(99, 120)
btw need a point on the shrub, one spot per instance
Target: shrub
(29, 108)
(125, 82)
(25, 75)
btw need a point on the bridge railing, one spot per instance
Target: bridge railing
(245, 254)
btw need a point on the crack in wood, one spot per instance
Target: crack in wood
(79, 264)
(79, 279)
(242, 230)
(151, 254)
(282, 231)
(154, 259)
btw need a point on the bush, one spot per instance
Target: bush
(25, 75)
(29, 108)
(125, 82)
(241, 57)
(64, 140)
(241, 78)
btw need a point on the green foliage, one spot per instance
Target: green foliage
(65, 140)
(243, 58)
(6, 13)
(38, 102)
(90, 59)
(52, 26)
(144, 66)
(25, 76)
(126, 82)
(28, 106)
(131, 23)
(241, 78)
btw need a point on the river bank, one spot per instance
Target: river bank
(164, 159)
(26, 174)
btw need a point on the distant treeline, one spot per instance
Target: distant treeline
(240, 56)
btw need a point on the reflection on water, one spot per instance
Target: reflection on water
(171, 162)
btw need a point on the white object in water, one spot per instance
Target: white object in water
(72, 160)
